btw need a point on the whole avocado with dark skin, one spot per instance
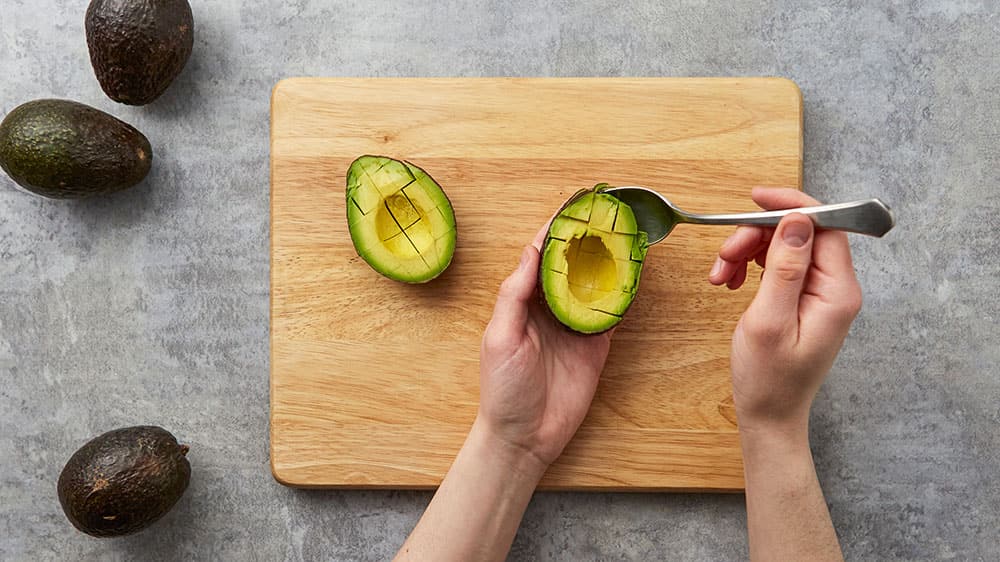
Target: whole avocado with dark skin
(124, 480)
(67, 150)
(138, 47)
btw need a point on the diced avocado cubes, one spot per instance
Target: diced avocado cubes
(400, 220)
(591, 261)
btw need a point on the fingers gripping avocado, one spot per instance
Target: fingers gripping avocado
(124, 480)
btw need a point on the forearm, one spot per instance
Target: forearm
(477, 509)
(787, 517)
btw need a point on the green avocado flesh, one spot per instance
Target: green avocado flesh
(591, 261)
(400, 220)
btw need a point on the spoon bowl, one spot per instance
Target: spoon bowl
(657, 216)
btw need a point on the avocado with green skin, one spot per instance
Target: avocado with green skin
(138, 47)
(124, 480)
(591, 262)
(67, 150)
(400, 220)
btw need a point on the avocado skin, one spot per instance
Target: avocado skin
(124, 480)
(67, 150)
(138, 47)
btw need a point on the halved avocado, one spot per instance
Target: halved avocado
(400, 220)
(591, 261)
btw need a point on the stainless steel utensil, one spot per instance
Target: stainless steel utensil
(657, 216)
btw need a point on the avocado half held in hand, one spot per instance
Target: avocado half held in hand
(67, 150)
(124, 480)
(400, 220)
(591, 261)
(138, 47)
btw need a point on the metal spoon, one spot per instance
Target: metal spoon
(657, 216)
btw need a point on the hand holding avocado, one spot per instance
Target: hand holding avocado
(536, 378)
(536, 382)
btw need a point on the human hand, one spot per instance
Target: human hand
(788, 338)
(536, 377)
(536, 382)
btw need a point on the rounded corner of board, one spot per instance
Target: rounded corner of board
(789, 87)
(281, 476)
(281, 85)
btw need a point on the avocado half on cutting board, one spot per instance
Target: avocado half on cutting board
(402, 224)
(591, 261)
(400, 220)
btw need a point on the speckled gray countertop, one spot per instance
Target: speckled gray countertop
(151, 306)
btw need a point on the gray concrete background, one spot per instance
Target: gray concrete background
(151, 306)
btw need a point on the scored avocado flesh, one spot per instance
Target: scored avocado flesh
(591, 261)
(400, 220)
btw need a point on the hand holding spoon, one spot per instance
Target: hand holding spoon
(657, 216)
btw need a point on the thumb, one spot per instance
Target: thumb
(788, 260)
(511, 311)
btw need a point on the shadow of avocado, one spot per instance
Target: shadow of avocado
(184, 95)
(120, 210)
(169, 538)
(441, 289)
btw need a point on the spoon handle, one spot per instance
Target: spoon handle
(871, 217)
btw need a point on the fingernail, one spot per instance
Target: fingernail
(716, 267)
(796, 234)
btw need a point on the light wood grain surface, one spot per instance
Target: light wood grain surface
(374, 383)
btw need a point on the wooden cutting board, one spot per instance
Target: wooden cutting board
(374, 383)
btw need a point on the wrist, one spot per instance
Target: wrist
(523, 466)
(773, 422)
(788, 437)
(777, 460)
